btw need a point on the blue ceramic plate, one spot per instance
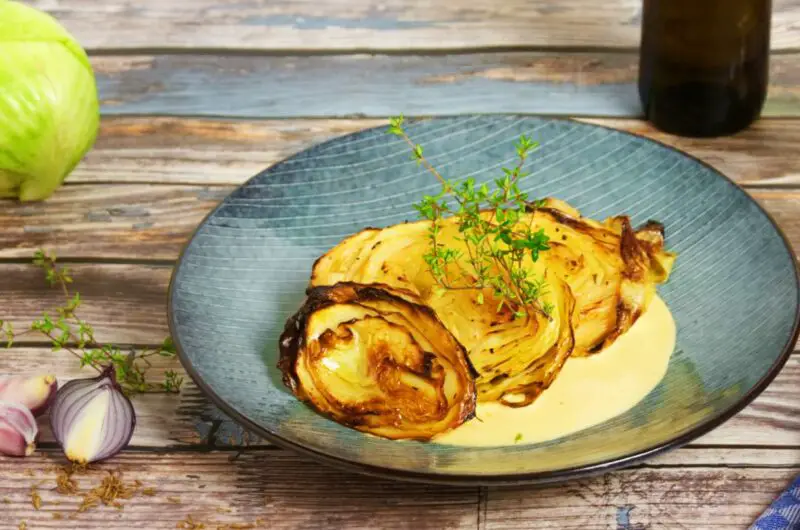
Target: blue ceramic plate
(734, 291)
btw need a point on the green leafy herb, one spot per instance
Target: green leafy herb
(172, 381)
(518, 437)
(67, 331)
(7, 333)
(489, 221)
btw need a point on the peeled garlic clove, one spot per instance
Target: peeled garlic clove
(18, 430)
(36, 393)
(92, 419)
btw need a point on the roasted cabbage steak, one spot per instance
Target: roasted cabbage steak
(600, 277)
(377, 359)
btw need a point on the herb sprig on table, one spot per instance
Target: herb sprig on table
(496, 242)
(66, 330)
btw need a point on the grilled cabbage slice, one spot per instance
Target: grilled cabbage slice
(611, 269)
(600, 277)
(376, 359)
(518, 358)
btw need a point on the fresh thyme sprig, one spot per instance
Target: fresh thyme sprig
(67, 331)
(496, 242)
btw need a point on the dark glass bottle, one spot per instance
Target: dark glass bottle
(704, 64)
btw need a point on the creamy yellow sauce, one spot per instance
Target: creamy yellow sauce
(588, 391)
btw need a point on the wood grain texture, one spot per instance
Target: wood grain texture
(133, 221)
(778, 407)
(784, 206)
(126, 304)
(722, 498)
(758, 156)
(699, 456)
(560, 83)
(201, 151)
(217, 151)
(347, 25)
(283, 491)
(286, 491)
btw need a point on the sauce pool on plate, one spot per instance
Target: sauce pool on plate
(588, 391)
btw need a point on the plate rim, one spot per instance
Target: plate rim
(541, 478)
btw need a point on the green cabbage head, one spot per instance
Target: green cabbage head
(49, 112)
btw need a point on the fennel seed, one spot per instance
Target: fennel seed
(108, 492)
(36, 499)
(65, 484)
(190, 524)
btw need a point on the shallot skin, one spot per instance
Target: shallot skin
(92, 419)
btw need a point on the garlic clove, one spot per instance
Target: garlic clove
(92, 419)
(36, 393)
(12, 442)
(18, 430)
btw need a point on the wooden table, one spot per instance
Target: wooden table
(198, 95)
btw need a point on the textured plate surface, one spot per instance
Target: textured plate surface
(734, 291)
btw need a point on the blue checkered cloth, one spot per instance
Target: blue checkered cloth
(784, 513)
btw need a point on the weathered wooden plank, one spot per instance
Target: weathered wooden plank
(754, 157)
(131, 221)
(784, 206)
(284, 491)
(591, 84)
(217, 152)
(724, 498)
(126, 304)
(155, 221)
(777, 409)
(158, 421)
(697, 456)
(201, 423)
(205, 151)
(348, 25)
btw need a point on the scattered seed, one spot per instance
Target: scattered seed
(65, 484)
(110, 490)
(36, 499)
(190, 524)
